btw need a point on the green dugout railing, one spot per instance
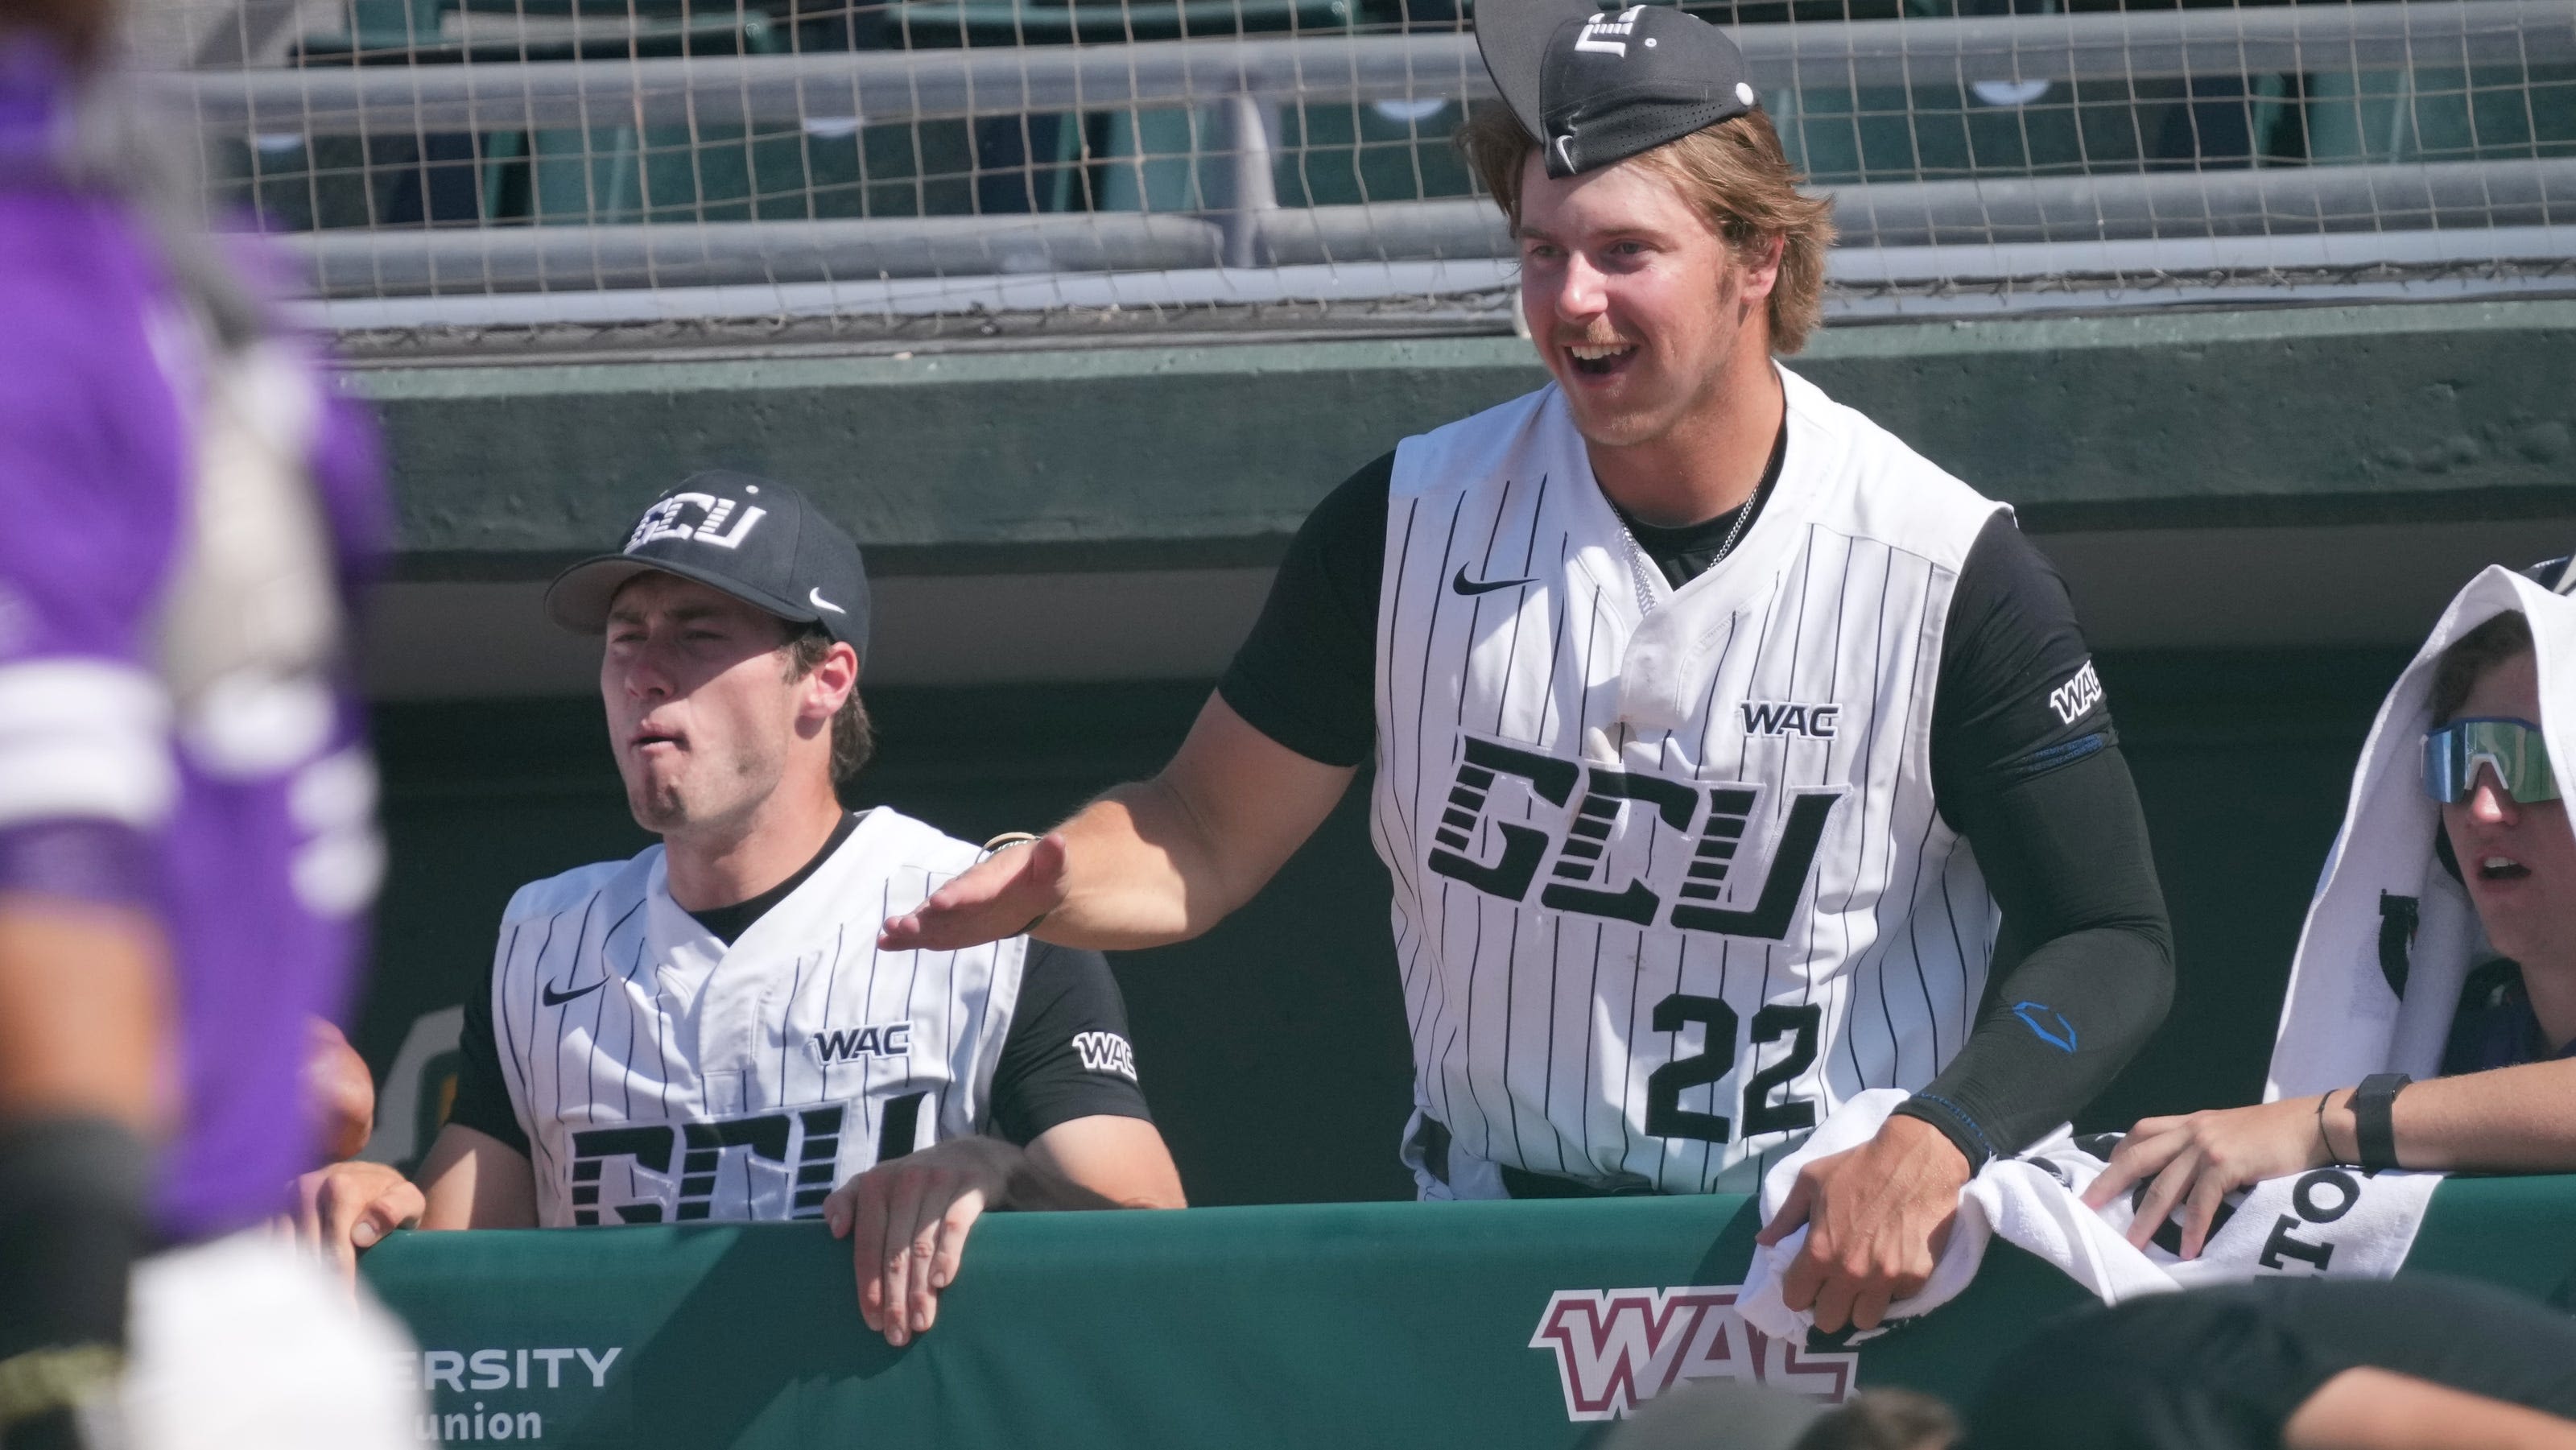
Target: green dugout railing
(1492, 1325)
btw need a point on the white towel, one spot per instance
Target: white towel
(2331, 1221)
(2343, 1019)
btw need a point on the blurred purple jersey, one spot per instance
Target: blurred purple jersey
(181, 532)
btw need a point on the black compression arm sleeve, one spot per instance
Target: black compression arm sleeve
(2065, 854)
(73, 1219)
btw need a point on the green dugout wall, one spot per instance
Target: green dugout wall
(1503, 1326)
(2259, 513)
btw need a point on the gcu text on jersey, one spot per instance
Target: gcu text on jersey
(1670, 884)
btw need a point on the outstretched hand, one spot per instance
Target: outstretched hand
(1877, 1218)
(1003, 895)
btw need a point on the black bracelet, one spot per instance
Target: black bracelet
(2374, 1120)
(2333, 1158)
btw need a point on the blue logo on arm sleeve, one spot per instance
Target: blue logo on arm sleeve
(2047, 1024)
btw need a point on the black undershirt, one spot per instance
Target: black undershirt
(2045, 801)
(1039, 1083)
(727, 923)
(1686, 552)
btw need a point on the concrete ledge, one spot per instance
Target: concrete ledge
(1209, 455)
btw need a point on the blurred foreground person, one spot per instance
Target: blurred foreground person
(343, 1093)
(186, 835)
(2311, 1364)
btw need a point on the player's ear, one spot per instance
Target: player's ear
(831, 682)
(1762, 267)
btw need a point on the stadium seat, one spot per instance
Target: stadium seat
(1130, 159)
(1338, 154)
(610, 174)
(2437, 114)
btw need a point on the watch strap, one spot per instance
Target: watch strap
(2374, 1119)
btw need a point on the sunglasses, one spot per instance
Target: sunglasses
(2511, 748)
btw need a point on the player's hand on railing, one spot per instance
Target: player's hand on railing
(2192, 1162)
(907, 1222)
(1003, 895)
(343, 1210)
(1877, 1218)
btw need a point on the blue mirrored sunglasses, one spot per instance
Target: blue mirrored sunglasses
(2512, 748)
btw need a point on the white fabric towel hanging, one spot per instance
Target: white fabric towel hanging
(2337, 1221)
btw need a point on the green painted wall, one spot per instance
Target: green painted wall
(1121, 456)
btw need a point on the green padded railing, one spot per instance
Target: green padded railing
(1492, 1325)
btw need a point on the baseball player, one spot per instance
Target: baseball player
(710, 1030)
(187, 841)
(1711, 724)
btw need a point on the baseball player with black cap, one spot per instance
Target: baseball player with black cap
(1713, 727)
(710, 1030)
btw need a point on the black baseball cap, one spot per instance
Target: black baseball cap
(761, 542)
(1597, 87)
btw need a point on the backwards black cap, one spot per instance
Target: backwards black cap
(759, 541)
(1597, 87)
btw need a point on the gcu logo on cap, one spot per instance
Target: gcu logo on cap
(662, 521)
(1598, 30)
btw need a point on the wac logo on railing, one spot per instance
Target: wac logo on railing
(1714, 820)
(1618, 1348)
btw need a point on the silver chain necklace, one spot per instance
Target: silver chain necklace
(1638, 564)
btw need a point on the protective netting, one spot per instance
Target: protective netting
(789, 169)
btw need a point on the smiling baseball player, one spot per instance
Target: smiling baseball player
(1711, 723)
(710, 1030)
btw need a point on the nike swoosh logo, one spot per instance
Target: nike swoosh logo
(554, 998)
(1465, 585)
(815, 598)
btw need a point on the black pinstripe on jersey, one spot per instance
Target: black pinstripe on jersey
(1552, 1036)
(654, 1087)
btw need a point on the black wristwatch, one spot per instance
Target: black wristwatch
(2374, 1127)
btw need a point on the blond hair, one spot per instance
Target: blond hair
(1734, 172)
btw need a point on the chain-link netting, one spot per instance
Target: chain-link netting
(492, 167)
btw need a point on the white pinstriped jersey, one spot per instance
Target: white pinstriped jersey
(1670, 885)
(662, 1076)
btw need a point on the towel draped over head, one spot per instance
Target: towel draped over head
(2390, 935)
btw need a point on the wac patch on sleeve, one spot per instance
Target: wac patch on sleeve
(2076, 698)
(1107, 1053)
